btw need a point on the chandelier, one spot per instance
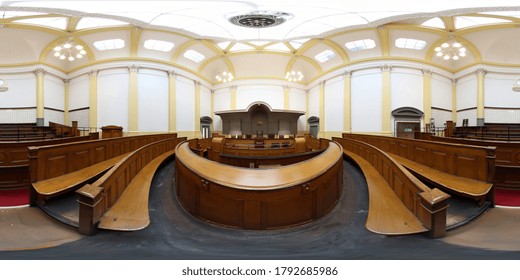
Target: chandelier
(294, 76)
(69, 50)
(224, 77)
(451, 50)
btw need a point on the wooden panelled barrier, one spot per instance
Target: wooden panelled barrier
(97, 198)
(428, 205)
(14, 160)
(270, 159)
(47, 162)
(507, 161)
(466, 161)
(259, 198)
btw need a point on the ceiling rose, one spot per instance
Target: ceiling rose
(260, 19)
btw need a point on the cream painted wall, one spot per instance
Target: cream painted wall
(314, 102)
(54, 98)
(441, 92)
(498, 93)
(205, 102)
(298, 102)
(270, 94)
(406, 88)
(152, 101)
(21, 93)
(79, 99)
(467, 99)
(185, 105)
(113, 92)
(334, 89)
(221, 102)
(366, 100)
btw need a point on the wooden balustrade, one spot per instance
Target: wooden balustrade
(97, 198)
(258, 198)
(428, 205)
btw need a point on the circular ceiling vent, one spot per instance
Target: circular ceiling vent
(260, 19)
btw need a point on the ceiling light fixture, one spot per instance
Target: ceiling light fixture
(260, 19)
(69, 50)
(224, 77)
(451, 50)
(294, 76)
(516, 86)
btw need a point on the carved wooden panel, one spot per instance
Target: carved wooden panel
(397, 185)
(79, 160)
(221, 209)
(439, 160)
(466, 166)
(420, 155)
(297, 210)
(55, 166)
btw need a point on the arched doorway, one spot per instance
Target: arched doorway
(314, 126)
(407, 120)
(205, 126)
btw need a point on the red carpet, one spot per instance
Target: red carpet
(505, 197)
(14, 197)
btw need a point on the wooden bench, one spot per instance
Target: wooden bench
(130, 212)
(460, 169)
(398, 201)
(386, 213)
(58, 185)
(98, 198)
(475, 189)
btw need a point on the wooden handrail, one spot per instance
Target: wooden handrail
(97, 198)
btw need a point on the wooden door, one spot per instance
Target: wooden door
(407, 129)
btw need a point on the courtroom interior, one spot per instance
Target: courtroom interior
(260, 129)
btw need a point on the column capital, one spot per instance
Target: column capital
(233, 87)
(286, 87)
(322, 83)
(386, 68)
(481, 71)
(347, 73)
(66, 81)
(172, 73)
(197, 83)
(427, 71)
(133, 68)
(39, 72)
(454, 81)
(93, 72)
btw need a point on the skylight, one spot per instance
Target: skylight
(434, 22)
(91, 22)
(463, 22)
(412, 44)
(325, 56)
(111, 44)
(360, 45)
(53, 22)
(157, 45)
(194, 56)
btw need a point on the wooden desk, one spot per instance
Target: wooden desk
(259, 198)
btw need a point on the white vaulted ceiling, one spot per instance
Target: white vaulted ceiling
(490, 31)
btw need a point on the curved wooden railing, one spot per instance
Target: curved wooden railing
(97, 198)
(428, 205)
(259, 198)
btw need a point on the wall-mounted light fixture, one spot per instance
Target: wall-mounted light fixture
(3, 85)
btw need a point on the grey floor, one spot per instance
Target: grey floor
(340, 235)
